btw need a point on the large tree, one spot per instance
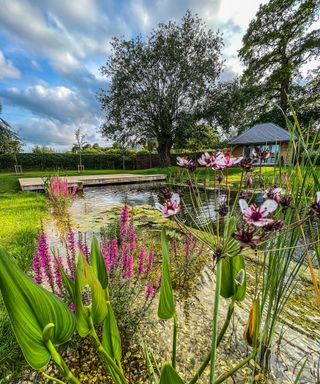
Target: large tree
(158, 85)
(279, 41)
(10, 142)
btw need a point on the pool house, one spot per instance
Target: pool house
(267, 136)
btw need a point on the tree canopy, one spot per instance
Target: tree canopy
(158, 85)
(10, 142)
(279, 41)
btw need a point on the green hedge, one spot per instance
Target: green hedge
(39, 161)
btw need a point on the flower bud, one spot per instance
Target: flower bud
(251, 332)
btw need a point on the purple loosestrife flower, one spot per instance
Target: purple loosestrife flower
(127, 262)
(170, 207)
(71, 243)
(114, 252)
(150, 291)
(141, 260)
(315, 207)
(83, 248)
(45, 259)
(188, 242)
(132, 238)
(58, 275)
(174, 246)
(258, 216)
(124, 218)
(37, 271)
(150, 262)
(159, 280)
(105, 249)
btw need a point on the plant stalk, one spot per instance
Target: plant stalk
(221, 334)
(215, 322)
(61, 365)
(174, 342)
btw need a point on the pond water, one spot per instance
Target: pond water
(92, 210)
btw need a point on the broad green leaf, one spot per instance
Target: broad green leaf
(97, 307)
(31, 308)
(169, 375)
(111, 339)
(166, 305)
(98, 263)
(233, 280)
(68, 283)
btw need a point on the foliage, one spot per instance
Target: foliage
(10, 143)
(59, 193)
(42, 149)
(198, 137)
(158, 84)
(279, 41)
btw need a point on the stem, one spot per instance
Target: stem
(223, 377)
(52, 378)
(61, 365)
(113, 368)
(215, 322)
(221, 334)
(174, 343)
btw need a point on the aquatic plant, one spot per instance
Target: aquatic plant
(59, 194)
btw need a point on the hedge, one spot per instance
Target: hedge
(55, 161)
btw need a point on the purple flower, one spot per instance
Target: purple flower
(37, 271)
(58, 275)
(274, 226)
(141, 259)
(45, 259)
(315, 207)
(150, 291)
(273, 193)
(170, 207)
(261, 154)
(225, 160)
(247, 238)
(183, 161)
(246, 163)
(114, 252)
(249, 181)
(150, 262)
(207, 160)
(71, 253)
(106, 254)
(258, 215)
(132, 238)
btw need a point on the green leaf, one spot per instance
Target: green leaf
(169, 375)
(97, 308)
(233, 280)
(68, 283)
(111, 339)
(166, 305)
(31, 309)
(98, 263)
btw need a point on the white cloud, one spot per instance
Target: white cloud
(7, 69)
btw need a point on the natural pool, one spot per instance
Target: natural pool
(297, 334)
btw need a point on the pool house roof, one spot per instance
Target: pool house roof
(262, 134)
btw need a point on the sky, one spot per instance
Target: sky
(51, 51)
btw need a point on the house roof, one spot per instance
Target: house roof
(262, 133)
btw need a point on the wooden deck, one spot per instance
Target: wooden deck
(37, 183)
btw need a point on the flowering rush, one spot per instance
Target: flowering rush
(225, 160)
(170, 207)
(208, 160)
(258, 216)
(273, 193)
(315, 207)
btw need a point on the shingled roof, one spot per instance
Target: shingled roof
(261, 134)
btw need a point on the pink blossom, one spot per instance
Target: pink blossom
(45, 259)
(273, 193)
(106, 254)
(207, 160)
(225, 160)
(150, 291)
(141, 259)
(114, 252)
(249, 181)
(72, 307)
(58, 275)
(37, 270)
(150, 262)
(132, 238)
(258, 215)
(183, 162)
(170, 207)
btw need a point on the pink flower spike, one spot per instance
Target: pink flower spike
(150, 291)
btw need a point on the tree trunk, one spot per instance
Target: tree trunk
(164, 147)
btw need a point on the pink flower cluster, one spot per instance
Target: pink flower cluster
(219, 160)
(45, 269)
(58, 187)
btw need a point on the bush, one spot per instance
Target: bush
(42, 161)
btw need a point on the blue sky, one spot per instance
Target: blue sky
(51, 51)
